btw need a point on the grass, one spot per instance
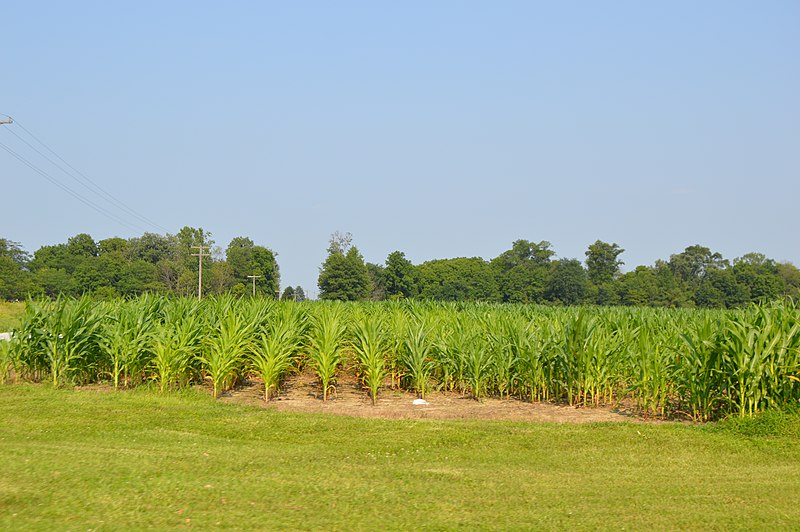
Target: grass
(10, 315)
(97, 460)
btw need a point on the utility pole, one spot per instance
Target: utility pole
(200, 254)
(254, 277)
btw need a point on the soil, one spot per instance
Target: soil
(303, 393)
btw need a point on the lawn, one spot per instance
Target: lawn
(10, 315)
(77, 459)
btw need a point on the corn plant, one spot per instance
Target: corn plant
(276, 348)
(225, 350)
(699, 370)
(70, 339)
(416, 360)
(175, 344)
(125, 339)
(371, 343)
(7, 361)
(327, 344)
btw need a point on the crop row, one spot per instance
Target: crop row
(701, 364)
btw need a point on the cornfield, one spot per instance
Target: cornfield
(700, 364)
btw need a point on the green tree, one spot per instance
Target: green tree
(299, 294)
(720, 289)
(523, 271)
(288, 294)
(15, 279)
(459, 279)
(602, 262)
(82, 245)
(152, 248)
(52, 282)
(344, 275)
(245, 258)
(14, 251)
(760, 275)
(137, 277)
(112, 245)
(638, 288)
(791, 278)
(693, 263)
(568, 283)
(377, 282)
(398, 276)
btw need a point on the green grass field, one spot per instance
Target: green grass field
(100, 460)
(10, 315)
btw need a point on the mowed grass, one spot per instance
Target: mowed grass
(10, 315)
(102, 460)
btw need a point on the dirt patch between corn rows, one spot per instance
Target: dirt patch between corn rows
(303, 393)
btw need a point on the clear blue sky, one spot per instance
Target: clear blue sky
(441, 129)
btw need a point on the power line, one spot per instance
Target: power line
(83, 180)
(56, 182)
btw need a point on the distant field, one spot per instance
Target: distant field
(10, 315)
(89, 460)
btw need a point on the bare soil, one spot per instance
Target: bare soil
(303, 393)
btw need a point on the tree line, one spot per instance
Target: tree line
(528, 272)
(118, 267)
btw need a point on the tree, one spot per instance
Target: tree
(112, 245)
(82, 245)
(288, 294)
(693, 263)
(377, 282)
(459, 279)
(13, 251)
(398, 276)
(760, 275)
(568, 283)
(137, 277)
(53, 282)
(266, 265)
(602, 262)
(720, 289)
(344, 275)
(522, 271)
(15, 280)
(152, 248)
(637, 288)
(245, 259)
(299, 294)
(791, 278)
(221, 278)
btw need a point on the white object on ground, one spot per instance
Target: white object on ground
(419, 402)
(5, 336)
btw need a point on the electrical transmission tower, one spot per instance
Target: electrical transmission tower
(200, 254)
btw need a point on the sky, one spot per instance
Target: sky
(440, 129)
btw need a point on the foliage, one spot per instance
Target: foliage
(327, 342)
(398, 276)
(343, 276)
(277, 346)
(602, 262)
(371, 342)
(701, 364)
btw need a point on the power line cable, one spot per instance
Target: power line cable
(95, 188)
(65, 188)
